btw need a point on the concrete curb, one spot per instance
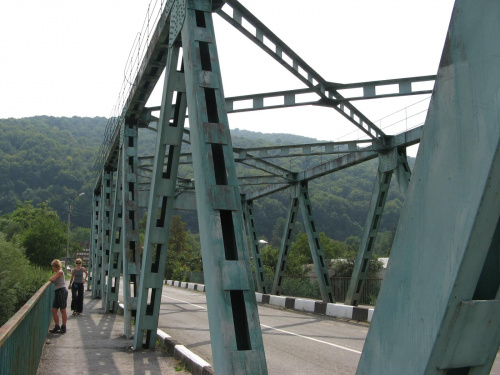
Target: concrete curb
(195, 364)
(336, 310)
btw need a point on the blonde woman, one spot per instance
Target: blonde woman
(76, 285)
(60, 298)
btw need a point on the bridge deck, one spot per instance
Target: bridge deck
(95, 344)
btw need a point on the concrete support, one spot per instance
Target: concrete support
(106, 206)
(115, 251)
(129, 240)
(286, 243)
(254, 245)
(387, 164)
(94, 245)
(439, 309)
(325, 286)
(161, 202)
(236, 337)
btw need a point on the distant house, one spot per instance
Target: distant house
(263, 243)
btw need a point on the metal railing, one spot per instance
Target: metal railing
(132, 66)
(23, 336)
(369, 294)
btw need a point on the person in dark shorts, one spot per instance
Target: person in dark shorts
(60, 298)
(76, 284)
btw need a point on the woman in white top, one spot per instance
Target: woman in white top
(60, 298)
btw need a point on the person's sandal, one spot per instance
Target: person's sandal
(56, 329)
(74, 313)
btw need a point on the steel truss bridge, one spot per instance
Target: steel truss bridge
(439, 309)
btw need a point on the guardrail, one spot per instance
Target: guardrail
(23, 336)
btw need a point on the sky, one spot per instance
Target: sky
(67, 58)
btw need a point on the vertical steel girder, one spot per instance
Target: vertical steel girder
(107, 193)
(161, 203)
(94, 245)
(235, 333)
(403, 171)
(387, 164)
(115, 252)
(254, 244)
(320, 266)
(439, 309)
(129, 239)
(286, 243)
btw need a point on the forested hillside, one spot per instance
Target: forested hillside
(48, 159)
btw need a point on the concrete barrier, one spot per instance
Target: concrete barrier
(335, 310)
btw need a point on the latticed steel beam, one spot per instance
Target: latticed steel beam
(255, 246)
(235, 333)
(161, 202)
(404, 88)
(115, 253)
(325, 286)
(405, 139)
(106, 206)
(298, 67)
(94, 245)
(130, 242)
(387, 164)
(286, 243)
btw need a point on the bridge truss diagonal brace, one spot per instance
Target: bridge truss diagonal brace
(107, 189)
(129, 240)
(94, 246)
(318, 257)
(387, 164)
(439, 309)
(235, 332)
(115, 253)
(161, 203)
(286, 242)
(254, 244)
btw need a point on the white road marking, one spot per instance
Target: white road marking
(280, 330)
(312, 339)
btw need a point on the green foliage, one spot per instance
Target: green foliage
(344, 267)
(184, 254)
(19, 280)
(49, 159)
(38, 230)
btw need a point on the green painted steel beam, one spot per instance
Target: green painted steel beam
(311, 78)
(235, 333)
(404, 139)
(115, 252)
(387, 164)
(286, 242)
(439, 308)
(106, 207)
(251, 231)
(130, 241)
(320, 266)
(161, 201)
(94, 244)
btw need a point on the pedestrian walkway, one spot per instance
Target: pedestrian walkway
(95, 344)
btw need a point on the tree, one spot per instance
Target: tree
(38, 230)
(19, 280)
(44, 242)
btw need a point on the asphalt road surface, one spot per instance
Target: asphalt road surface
(294, 342)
